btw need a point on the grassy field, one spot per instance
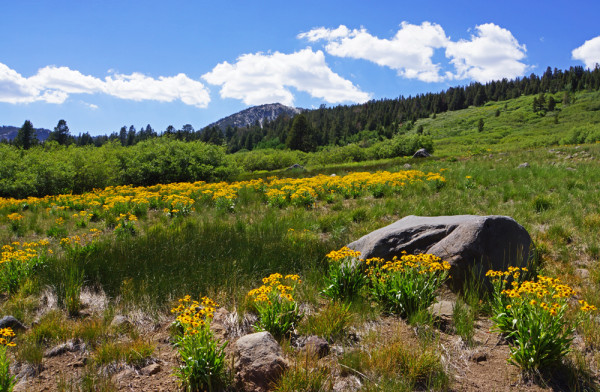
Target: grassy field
(142, 253)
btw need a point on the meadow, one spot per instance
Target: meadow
(141, 248)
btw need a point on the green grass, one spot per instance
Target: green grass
(223, 255)
(517, 127)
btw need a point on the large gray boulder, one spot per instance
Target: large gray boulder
(468, 242)
(258, 362)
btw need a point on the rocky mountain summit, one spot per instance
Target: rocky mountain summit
(256, 113)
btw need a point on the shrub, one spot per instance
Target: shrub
(277, 310)
(202, 356)
(533, 317)
(407, 285)
(346, 276)
(18, 261)
(7, 381)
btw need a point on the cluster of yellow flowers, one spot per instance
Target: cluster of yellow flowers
(14, 217)
(80, 240)
(273, 290)
(547, 293)
(337, 255)
(5, 335)
(423, 262)
(127, 217)
(194, 314)
(22, 252)
(183, 195)
(585, 307)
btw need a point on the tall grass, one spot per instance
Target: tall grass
(205, 255)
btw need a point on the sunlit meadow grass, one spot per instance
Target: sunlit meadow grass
(223, 253)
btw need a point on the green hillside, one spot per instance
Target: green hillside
(513, 125)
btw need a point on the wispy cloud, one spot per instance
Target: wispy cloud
(491, 53)
(265, 78)
(55, 84)
(589, 52)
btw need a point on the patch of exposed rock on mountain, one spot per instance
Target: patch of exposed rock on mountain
(260, 113)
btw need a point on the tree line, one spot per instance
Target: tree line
(366, 123)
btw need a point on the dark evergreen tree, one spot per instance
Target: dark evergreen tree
(61, 133)
(123, 135)
(300, 136)
(131, 134)
(26, 137)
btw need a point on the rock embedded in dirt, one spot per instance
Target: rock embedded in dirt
(315, 345)
(151, 369)
(422, 153)
(258, 362)
(121, 323)
(470, 243)
(11, 322)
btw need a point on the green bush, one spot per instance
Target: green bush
(407, 285)
(533, 317)
(346, 277)
(202, 356)
(277, 309)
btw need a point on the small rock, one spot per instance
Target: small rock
(258, 362)
(570, 169)
(442, 309)
(56, 351)
(407, 166)
(11, 322)
(583, 273)
(332, 175)
(79, 364)
(70, 346)
(523, 165)
(28, 371)
(295, 166)
(121, 323)
(422, 153)
(218, 323)
(347, 384)
(151, 369)
(478, 357)
(123, 375)
(316, 345)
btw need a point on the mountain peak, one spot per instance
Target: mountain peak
(259, 113)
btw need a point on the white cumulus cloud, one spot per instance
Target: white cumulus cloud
(260, 78)
(589, 52)
(492, 53)
(409, 52)
(14, 88)
(54, 85)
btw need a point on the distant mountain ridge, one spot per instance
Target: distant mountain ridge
(9, 132)
(256, 113)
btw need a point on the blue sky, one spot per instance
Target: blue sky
(104, 64)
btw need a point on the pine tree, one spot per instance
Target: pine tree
(61, 133)
(26, 137)
(300, 136)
